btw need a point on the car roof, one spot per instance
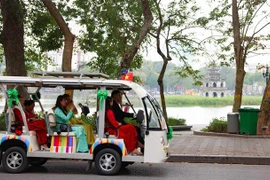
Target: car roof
(71, 81)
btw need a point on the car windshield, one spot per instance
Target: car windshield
(155, 116)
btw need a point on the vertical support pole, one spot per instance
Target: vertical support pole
(101, 118)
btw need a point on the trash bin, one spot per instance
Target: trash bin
(233, 123)
(248, 120)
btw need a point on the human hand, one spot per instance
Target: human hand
(72, 107)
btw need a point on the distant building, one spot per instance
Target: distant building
(79, 60)
(213, 84)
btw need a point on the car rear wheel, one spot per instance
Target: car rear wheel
(108, 162)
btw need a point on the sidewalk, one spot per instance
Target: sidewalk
(231, 149)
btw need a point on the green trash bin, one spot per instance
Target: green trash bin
(248, 120)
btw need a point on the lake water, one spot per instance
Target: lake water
(195, 115)
(200, 115)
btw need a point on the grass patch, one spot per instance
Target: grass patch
(184, 100)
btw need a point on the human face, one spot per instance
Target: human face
(29, 107)
(118, 97)
(64, 102)
(68, 100)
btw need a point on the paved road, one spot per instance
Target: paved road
(71, 170)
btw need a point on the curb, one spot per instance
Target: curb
(181, 128)
(200, 133)
(220, 159)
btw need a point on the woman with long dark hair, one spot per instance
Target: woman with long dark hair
(126, 132)
(63, 117)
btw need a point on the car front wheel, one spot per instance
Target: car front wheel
(14, 160)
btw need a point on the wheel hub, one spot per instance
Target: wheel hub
(14, 160)
(107, 162)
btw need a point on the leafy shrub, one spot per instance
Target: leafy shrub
(2, 122)
(171, 121)
(217, 125)
(89, 120)
(130, 121)
(176, 121)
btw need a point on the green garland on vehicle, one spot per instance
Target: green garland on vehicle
(13, 96)
(170, 133)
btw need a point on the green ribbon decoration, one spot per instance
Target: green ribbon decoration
(13, 96)
(102, 95)
(170, 133)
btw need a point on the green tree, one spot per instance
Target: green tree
(114, 31)
(173, 26)
(230, 79)
(246, 24)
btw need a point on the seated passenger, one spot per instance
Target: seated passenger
(120, 115)
(63, 117)
(87, 127)
(33, 123)
(18, 122)
(126, 132)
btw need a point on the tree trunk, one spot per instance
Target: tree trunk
(12, 37)
(12, 40)
(69, 37)
(148, 18)
(264, 115)
(161, 88)
(239, 58)
(165, 60)
(240, 74)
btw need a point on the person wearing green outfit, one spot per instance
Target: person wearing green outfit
(63, 116)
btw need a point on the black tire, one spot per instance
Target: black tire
(125, 164)
(37, 161)
(108, 162)
(14, 160)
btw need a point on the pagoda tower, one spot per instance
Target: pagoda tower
(213, 84)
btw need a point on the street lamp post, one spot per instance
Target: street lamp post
(266, 74)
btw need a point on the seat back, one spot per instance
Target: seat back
(51, 122)
(51, 118)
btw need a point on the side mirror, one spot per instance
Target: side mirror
(140, 116)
